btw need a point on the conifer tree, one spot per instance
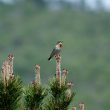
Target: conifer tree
(34, 93)
(60, 94)
(57, 95)
(10, 86)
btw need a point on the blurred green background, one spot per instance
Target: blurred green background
(29, 29)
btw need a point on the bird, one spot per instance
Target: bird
(56, 49)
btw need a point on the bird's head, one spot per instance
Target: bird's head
(59, 43)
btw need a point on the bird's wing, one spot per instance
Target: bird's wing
(53, 52)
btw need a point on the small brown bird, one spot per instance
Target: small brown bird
(56, 50)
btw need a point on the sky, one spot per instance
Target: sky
(90, 3)
(106, 3)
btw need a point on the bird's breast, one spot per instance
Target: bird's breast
(58, 51)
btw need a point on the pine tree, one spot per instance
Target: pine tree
(10, 86)
(60, 94)
(57, 95)
(34, 93)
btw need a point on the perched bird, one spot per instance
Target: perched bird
(56, 50)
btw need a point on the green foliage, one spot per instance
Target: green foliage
(55, 87)
(53, 97)
(10, 94)
(59, 99)
(33, 96)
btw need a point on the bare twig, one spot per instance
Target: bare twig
(7, 69)
(64, 75)
(73, 108)
(58, 67)
(81, 106)
(37, 69)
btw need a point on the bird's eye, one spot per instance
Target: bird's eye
(60, 45)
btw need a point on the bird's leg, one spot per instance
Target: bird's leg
(58, 67)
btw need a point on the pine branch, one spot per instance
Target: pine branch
(10, 86)
(73, 108)
(10, 94)
(59, 90)
(59, 96)
(81, 106)
(58, 68)
(34, 93)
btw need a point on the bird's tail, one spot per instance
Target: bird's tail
(49, 58)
